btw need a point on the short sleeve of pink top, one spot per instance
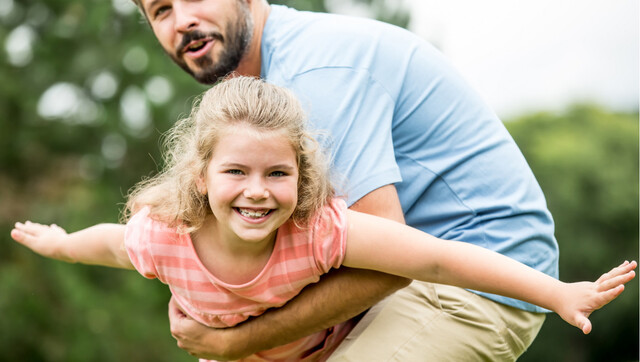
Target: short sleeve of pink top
(299, 257)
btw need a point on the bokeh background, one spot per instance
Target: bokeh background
(86, 92)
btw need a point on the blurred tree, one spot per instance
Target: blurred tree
(85, 91)
(586, 161)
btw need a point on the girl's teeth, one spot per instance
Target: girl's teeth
(253, 214)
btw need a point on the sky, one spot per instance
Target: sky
(538, 55)
(542, 55)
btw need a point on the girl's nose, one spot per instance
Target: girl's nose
(256, 190)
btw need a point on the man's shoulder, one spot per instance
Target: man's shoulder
(295, 42)
(292, 24)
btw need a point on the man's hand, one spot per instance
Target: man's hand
(197, 339)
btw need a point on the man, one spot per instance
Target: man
(412, 139)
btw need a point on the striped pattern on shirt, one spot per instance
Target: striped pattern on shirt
(299, 257)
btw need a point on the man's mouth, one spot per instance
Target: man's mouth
(196, 45)
(253, 214)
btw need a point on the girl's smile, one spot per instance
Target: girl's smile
(252, 185)
(253, 215)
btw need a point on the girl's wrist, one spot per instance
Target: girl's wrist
(557, 293)
(62, 250)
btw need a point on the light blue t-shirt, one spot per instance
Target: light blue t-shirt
(397, 113)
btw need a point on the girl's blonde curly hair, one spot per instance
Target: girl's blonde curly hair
(173, 196)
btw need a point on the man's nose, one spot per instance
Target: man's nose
(185, 18)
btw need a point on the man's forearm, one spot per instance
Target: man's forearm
(341, 295)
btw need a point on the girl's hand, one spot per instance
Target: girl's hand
(42, 239)
(579, 300)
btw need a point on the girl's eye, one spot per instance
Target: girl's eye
(234, 172)
(277, 174)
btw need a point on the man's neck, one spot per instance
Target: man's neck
(250, 63)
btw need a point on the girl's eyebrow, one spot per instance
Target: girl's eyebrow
(280, 166)
(283, 167)
(232, 164)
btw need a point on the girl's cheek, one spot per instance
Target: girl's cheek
(227, 191)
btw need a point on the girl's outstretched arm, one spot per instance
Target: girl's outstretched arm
(386, 246)
(98, 245)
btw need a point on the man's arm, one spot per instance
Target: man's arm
(340, 295)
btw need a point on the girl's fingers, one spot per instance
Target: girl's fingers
(27, 225)
(585, 325)
(30, 233)
(623, 268)
(17, 235)
(609, 295)
(56, 227)
(33, 228)
(616, 281)
(25, 228)
(22, 237)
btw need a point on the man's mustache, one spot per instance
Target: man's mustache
(196, 35)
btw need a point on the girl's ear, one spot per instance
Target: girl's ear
(201, 185)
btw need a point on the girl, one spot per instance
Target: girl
(244, 216)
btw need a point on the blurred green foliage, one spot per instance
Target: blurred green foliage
(86, 91)
(72, 165)
(586, 161)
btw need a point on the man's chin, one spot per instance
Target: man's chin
(205, 70)
(208, 77)
(202, 75)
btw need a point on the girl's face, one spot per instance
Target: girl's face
(252, 183)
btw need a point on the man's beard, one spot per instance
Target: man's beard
(236, 43)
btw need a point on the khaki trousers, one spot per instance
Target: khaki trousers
(434, 322)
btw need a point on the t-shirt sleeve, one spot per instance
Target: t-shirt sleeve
(137, 240)
(330, 235)
(353, 115)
